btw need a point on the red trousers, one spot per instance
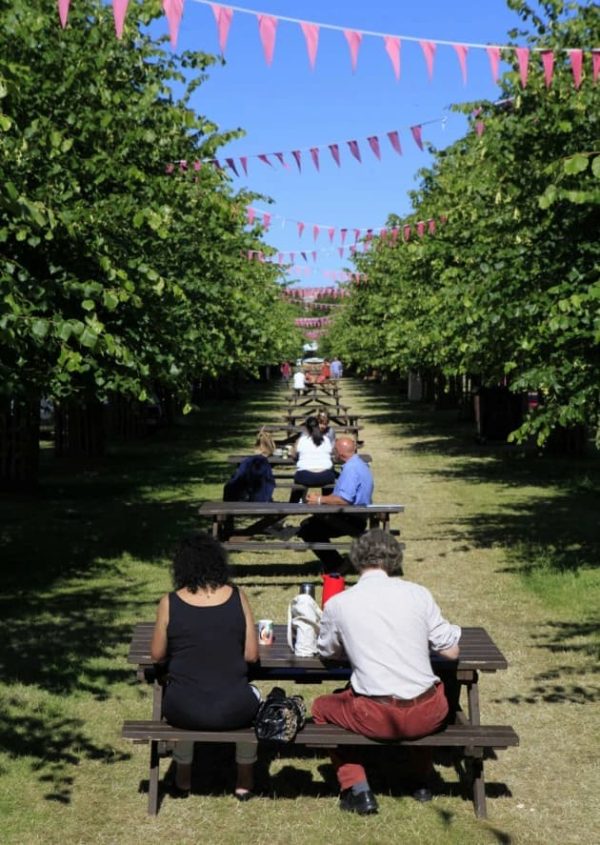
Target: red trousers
(378, 720)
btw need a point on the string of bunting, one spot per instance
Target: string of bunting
(240, 163)
(267, 30)
(386, 237)
(312, 294)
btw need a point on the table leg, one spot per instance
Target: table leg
(479, 786)
(473, 700)
(153, 779)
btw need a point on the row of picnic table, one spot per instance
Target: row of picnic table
(240, 526)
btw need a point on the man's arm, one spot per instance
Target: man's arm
(329, 643)
(331, 499)
(443, 636)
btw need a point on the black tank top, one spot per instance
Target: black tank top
(208, 675)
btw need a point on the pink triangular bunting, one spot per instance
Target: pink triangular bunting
(63, 11)
(407, 232)
(331, 233)
(595, 65)
(428, 48)
(281, 160)
(392, 48)
(374, 144)
(311, 34)
(576, 57)
(341, 251)
(298, 159)
(314, 154)
(416, 132)
(266, 221)
(494, 57)
(173, 10)
(223, 16)
(461, 52)
(479, 128)
(300, 226)
(244, 163)
(354, 149)
(267, 29)
(316, 232)
(353, 38)
(420, 228)
(548, 63)
(343, 233)
(431, 227)
(395, 141)
(119, 12)
(335, 152)
(250, 215)
(265, 159)
(523, 61)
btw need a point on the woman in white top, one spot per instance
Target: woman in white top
(299, 382)
(313, 459)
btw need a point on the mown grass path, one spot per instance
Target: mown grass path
(504, 541)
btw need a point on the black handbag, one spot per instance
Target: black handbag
(280, 716)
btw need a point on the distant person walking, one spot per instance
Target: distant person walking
(299, 382)
(286, 371)
(336, 368)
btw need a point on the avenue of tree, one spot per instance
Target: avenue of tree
(508, 289)
(117, 280)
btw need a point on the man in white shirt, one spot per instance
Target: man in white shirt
(299, 382)
(385, 628)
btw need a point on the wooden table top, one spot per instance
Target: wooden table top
(280, 461)
(292, 509)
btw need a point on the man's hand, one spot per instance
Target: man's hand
(313, 499)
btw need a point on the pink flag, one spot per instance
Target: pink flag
(63, 11)
(369, 235)
(316, 232)
(576, 57)
(331, 232)
(374, 144)
(352, 249)
(119, 12)
(383, 235)
(223, 16)
(428, 48)
(314, 154)
(280, 257)
(420, 228)
(356, 235)
(595, 64)
(461, 52)
(281, 160)
(392, 48)
(197, 165)
(353, 38)
(266, 221)
(265, 159)
(300, 226)
(343, 233)
(395, 232)
(395, 141)
(314, 255)
(250, 255)
(335, 152)
(267, 28)
(231, 164)
(244, 161)
(173, 10)
(353, 145)
(169, 168)
(494, 57)
(250, 215)
(303, 254)
(416, 133)
(523, 60)
(311, 34)
(431, 227)
(183, 164)
(479, 128)
(407, 231)
(298, 158)
(548, 62)
(341, 251)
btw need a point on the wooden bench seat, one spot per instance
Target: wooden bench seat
(471, 740)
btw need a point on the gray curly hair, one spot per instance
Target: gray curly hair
(377, 548)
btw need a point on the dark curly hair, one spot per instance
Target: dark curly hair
(314, 432)
(199, 562)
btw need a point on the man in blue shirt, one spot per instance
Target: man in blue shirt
(353, 487)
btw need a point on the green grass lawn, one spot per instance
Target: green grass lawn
(504, 539)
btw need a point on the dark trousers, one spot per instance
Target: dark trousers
(320, 529)
(324, 479)
(378, 720)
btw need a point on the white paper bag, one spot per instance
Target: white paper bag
(304, 618)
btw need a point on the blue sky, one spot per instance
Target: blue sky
(289, 106)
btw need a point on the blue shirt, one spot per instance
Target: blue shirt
(355, 483)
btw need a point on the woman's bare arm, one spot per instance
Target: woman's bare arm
(158, 648)
(251, 646)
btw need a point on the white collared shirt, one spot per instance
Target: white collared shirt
(385, 627)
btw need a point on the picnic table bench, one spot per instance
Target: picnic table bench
(293, 418)
(253, 538)
(463, 733)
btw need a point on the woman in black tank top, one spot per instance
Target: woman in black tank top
(206, 632)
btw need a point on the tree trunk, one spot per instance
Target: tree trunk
(19, 443)
(79, 428)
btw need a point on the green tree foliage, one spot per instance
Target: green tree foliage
(508, 288)
(115, 275)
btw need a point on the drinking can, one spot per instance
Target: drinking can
(265, 631)
(307, 587)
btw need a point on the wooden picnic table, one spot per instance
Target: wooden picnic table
(277, 662)
(292, 417)
(282, 461)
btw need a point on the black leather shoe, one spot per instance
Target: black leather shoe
(363, 803)
(422, 794)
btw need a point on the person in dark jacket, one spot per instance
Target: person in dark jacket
(253, 480)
